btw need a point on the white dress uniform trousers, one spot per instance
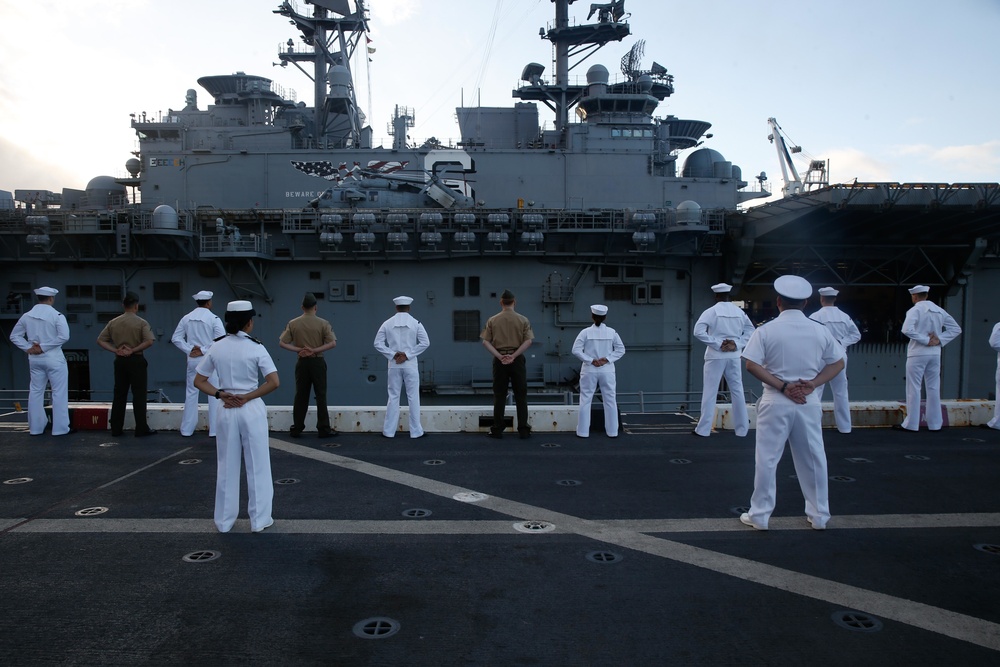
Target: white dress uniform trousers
(791, 347)
(46, 326)
(845, 332)
(198, 328)
(237, 360)
(598, 342)
(402, 333)
(995, 344)
(923, 361)
(723, 321)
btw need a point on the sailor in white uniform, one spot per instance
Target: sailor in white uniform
(724, 329)
(598, 347)
(401, 339)
(845, 331)
(792, 356)
(995, 344)
(41, 332)
(241, 427)
(194, 336)
(929, 329)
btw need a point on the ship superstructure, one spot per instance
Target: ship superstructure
(261, 196)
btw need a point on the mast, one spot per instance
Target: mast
(333, 32)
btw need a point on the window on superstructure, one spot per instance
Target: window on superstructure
(79, 291)
(465, 325)
(167, 291)
(108, 293)
(633, 274)
(617, 292)
(609, 273)
(473, 285)
(104, 318)
(458, 286)
(655, 292)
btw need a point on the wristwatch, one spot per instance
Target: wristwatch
(217, 392)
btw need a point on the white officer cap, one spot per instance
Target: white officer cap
(203, 295)
(796, 288)
(598, 309)
(721, 288)
(403, 300)
(919, 289)
(46, 291)
(238, 306)
(828, 291)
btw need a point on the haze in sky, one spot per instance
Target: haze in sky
(892, 90)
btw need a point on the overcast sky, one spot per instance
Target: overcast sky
(887, 90)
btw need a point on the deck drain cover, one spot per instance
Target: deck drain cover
(470, 497)
(433, 462)
(189, 462)
(534, 527)
(842, 478)
(18, 480)
(973, 440)
(857, 621)
(551, 444)
(91, 511)
(201, 556)
(416, 513)
(917, 457)
(376, 628)
(569, 482)
(989, 548)
(107, 444)
(331, 445)
(858, 459)
(739, 510)
(286, 480)
(604, 557)
(680, 462)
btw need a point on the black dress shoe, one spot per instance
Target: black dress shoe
(295, 434)
(116, 434)
(524, 435)
(143, 434)
(496, 435)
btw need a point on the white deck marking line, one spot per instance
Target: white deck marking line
(147, 467)
(933, 619)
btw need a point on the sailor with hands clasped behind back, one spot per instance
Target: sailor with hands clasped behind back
(845, 331)
(598, 347)
(41, 332)
(792, 356)
(237, 360)
(309, 336)
(194, 336)
(995, 344)
(724, 329)
(401, 339)
(929, 329)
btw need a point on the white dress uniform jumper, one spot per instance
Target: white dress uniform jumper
(199, 328)
(598, 342)
(402, 333)
(723, 321)
(845, 332)
(238, 360)
(46, 326)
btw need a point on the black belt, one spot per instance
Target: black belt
(507, 350)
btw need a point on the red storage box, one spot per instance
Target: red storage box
(89, 418)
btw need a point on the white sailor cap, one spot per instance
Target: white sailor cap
(721, 288)
(796, 288)
(403, 300)
(238, 306)
(828, 291)
(203, 295)
(46, 291)
(598, 309)
(919, 289)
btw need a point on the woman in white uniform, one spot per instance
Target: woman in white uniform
(598, 347)
(237, 360)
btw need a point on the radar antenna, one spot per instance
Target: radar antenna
(632, 61)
